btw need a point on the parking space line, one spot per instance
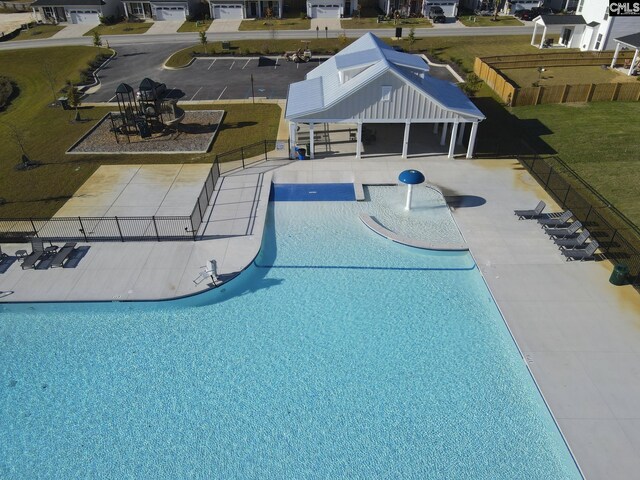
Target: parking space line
(214, 61)
(194, 95)
(225, 89)
(232, 64)
(246, 64)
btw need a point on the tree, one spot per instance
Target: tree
(97, 39)
(412, 37)
(203, 40)
(74, 98)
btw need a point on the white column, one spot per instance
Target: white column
(533, 35)
(544, 34)
(615, 55)
(312, 146)
(405, 141)
(292, 139)
(452, 142)
(435, 127)
(472, 139)
(633, 63)
(359, 140)
(443, 137)
(461, 133)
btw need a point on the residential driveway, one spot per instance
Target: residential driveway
(164, 27)
(74, 31)
(10, 21)
(211, 79)
(330, 23)
(222, 26)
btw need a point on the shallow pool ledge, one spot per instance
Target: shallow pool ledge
(380, 229)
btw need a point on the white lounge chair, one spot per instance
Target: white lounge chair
(210, 272)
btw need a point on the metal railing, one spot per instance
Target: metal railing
(153, 228)
(618, 236)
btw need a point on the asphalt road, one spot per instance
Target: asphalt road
(206, 79)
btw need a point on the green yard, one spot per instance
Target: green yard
(599, 140)
(476, 21)
(37, 32)
(526, 77)
(275, 24)
(122, 28)
(194, 26)
(368, 23)
(48, 132)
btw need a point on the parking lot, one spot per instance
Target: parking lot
(217, 78)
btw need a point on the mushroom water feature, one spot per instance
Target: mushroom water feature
(410, 178)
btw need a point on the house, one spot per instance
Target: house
(75, 11)
(239, 9)
(590, 29)
(331, 8)
(368, 83)
(160, 10)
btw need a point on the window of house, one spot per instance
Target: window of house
(386, 93)
(598, 40)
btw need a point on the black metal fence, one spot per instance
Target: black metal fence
(618, 236)
(154, 228)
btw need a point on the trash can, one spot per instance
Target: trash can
(620, 275)
(302, 153)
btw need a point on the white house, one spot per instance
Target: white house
(331, 8)
(160, 10)
(235, 10)
(75, 11)
(590, 29)
(370, 83)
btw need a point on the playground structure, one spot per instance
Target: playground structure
(146, 113)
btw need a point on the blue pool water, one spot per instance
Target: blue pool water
(338, 354)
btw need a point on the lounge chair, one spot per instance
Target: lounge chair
(210, 272)
(565, 231)
(586, 253)
(63, 254)
(574, 242)
(556, 221)
(37, 252)
(535, 213)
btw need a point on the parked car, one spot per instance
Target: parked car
(439, 18)
(434, 11)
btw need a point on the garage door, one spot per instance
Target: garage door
(228, 12)
(170, 13)
(84, 16)
(325, 11)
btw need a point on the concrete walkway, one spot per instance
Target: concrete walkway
(74, 30)
(224, 26)
(164, 27)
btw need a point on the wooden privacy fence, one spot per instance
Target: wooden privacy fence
(516, 96)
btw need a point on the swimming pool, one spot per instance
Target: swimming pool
(337, 354)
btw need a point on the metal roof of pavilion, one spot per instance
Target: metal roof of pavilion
(370, 58)
(548, 20)
(632, 40)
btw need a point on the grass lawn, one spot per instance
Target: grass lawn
(122, 28)
(48, 132)
(525, 77)
(371, 23)
(194, 26)
(476, 21)
(275, 24)
(37, 32)
(600, 141)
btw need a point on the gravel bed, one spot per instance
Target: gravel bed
(194, 135)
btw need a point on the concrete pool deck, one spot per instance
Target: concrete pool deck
(579, 335)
